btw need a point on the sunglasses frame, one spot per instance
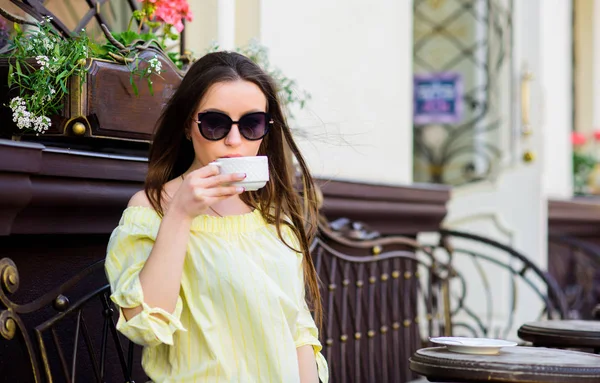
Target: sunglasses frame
(268, 126)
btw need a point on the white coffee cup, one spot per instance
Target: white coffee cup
(256, 170)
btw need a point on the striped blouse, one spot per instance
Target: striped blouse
(241, 312)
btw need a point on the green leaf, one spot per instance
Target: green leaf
(126, 37)
(99, 50)
(150, 87)
(148, 36)
(133, 84)
(63, 87)
(10, 72)
(18, 66)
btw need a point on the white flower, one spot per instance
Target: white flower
(51, 94)
(41, 124)
(43, 61)
(26, 120)
(155, 64)
(48, 44)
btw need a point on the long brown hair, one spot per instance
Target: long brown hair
(171, 154)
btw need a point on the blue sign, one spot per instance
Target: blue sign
(438, 98)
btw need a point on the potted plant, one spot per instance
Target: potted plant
(586, 170)
(71, 86)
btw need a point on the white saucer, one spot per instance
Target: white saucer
(481, 346)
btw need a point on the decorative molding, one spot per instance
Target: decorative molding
(46, 190)
(405, 210)
(61, 191)
(579, 216)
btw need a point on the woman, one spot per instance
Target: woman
(211, 279)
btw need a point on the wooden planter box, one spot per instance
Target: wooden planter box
(104, 106)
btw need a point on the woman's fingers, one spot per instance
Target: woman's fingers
(208, 176)
(223, 179)
(204, 172)
(207, 183)
(223, 191)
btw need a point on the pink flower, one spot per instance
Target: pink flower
(597, 135)
(171, 12)
(578, 139)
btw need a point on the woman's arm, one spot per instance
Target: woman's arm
(307, 364)
(161, 275)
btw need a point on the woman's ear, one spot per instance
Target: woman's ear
(188, 132)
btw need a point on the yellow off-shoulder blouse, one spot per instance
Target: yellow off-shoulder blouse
(241, 312)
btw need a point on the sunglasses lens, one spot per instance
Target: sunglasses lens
(215, 126)
(253, 126)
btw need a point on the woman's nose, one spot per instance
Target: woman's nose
(233, 138)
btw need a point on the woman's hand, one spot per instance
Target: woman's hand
(202, 188)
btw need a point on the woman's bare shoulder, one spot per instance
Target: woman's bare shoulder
(139, 199)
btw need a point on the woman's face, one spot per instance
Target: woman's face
(235, 99)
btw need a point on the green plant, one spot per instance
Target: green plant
(124, 47)
(583, 165)
(40, 64)
(41, 61)
(584, 161)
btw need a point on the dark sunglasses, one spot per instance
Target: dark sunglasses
(215, 126)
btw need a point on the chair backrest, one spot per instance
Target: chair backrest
(381, 299)
(68, 334)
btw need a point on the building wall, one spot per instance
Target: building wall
(202, 31)
(556, 79)
(354, 58)
(584, 63)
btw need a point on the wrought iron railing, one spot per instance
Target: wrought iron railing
(495, 287)
(65, 330)
(575, 264)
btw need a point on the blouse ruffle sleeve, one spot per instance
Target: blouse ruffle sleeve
(128, 249)
(307, 332)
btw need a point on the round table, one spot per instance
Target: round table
(563, 334)
(512, 364)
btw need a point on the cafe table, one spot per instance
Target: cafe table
(510, 365)
(580, 334)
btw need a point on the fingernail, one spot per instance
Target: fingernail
(240, 175)
(240, 189)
